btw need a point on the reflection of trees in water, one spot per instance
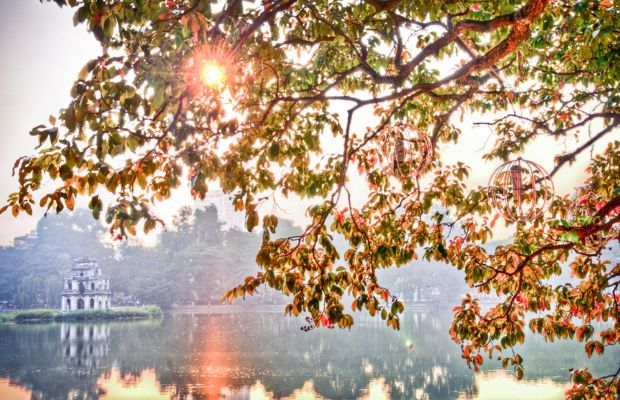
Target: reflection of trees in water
(33, 356)
(343, 363)
(193, 356)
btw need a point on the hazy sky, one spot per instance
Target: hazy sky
(40, 56)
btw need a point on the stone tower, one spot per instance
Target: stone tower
(86, 288)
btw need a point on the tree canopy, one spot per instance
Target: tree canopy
(244, 95)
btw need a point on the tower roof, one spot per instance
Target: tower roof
(84, 263)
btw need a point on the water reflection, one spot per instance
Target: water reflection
(10, 391)
(377, 390)
(306, 392)
(85, 347)
(500, 385)
(114, 386)
(266, 356)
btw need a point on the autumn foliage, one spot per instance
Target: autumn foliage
(298, 73)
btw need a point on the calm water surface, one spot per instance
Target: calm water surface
(266, 356)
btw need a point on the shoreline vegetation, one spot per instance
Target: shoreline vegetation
(50, 315)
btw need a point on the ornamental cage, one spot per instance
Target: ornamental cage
(583, 212)
(520, 190)
(409, 151)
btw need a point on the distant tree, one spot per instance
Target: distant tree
(53, 231)
(184, 220)
(182, 230)
(208, 226)
(30, 292)
(243, 95)
(52, 287)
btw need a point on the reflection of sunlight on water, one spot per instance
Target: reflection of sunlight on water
(217, 363)
(500, 384)
(9, 391)
(145, 386)
(377, 390)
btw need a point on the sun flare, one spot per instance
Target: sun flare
(212, 74)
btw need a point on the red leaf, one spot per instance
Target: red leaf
(495, 217)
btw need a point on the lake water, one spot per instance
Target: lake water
(260, 355)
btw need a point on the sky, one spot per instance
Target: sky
(41, 53)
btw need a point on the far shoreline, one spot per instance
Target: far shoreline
(272, 308)
(53, 315)
(33, 316)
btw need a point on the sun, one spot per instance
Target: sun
(212, 74)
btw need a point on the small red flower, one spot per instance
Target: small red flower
(475, 7)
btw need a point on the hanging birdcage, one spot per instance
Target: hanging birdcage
(582, 213)
(409, 151)
(520, 190)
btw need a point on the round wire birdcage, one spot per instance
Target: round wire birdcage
(583, 213)
(520, 190)
(409, 151)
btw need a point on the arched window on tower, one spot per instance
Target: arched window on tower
(68, 306)
(92, 285)
(92, 303)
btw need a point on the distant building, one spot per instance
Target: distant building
(26, 241)
(87, 288)
(124, 300)
(225, 210)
